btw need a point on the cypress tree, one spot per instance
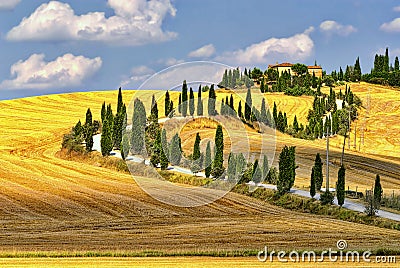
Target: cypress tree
(262, 86)
(295, 124)
(275, 114)
(156, 150)
(265, 167)
(138, 126)
(357, 70)
(163, 159)
(196, 147)
(287, 170)
(240, 114)
(378, 190)
(312, 184)
(386, 60)
(263, 115)
(211, 101)
(120, 103)
(207, 161)
(167, 103)
(232, 106)
(248, 106)
(180, 103)
(88, 131)
(257, 173)
(191, 102)
(231, 171)
(124, 147)
(175, 150)
(318, 172)
(103, 111)
(218, 168)
(396, 64)
(340, 186)
(199, 103)
(105, 140)
(184, 98)
(118, 126)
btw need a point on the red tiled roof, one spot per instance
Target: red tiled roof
(314, 67)
(284, 64)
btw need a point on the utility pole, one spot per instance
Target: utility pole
(327, 160)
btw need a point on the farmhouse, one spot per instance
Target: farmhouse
(287, 67)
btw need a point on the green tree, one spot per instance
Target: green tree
(120, 102)
(378, 190)
(164, 153)
(240, 114)
(156, 149)
(357, 70)
(207, 161)
(218, 168)
(340, 186)
(312, 184)
(196, 147)
(248, 106)
(295, 124)
(263, 115)
(191, 102)
(257, 173)
(318, 172)
(265, 167)
(106, 140)
(180, 103)
(184, 98)
(300, 69)
(124, 146)
(175, 150)
(138, 126)
(199, 103)
(88, 131)
(167, 104)
(231, 171)
(103, 111)
(211, 101)
(396, 64)
(119, 126)
(287, 170)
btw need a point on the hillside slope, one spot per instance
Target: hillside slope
(54, 204)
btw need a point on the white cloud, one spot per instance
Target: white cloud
(396, 9)
(170, 61)
(65, 71)
(203, 52)
(297, 47)
(393, 26)
(138, 74)
(333, 27)
(135, 22)
(8, 4)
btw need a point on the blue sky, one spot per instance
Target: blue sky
(53, 46)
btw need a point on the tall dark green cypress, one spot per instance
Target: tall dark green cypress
(207, 161)
(312, 183)
(196, 147)
(248, 106)
(138, 126)
(396, 64)
(199, 103)
(120, 102)
(191, 102)
(164, 150)
(184, 98)
(211, 101)
(287, 170)
(240, 114)
(263, 115)
(103, 111)
(180, 103)
(218, 168)
(265, 167)
(167, 103)
(378, 190)
(340, 186)
(106, 140)
(386, 60)
(318, 172)
(257, 173)
(175, 150)
(88, 131)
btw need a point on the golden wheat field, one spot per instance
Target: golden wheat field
(201, 262)
(52, 204)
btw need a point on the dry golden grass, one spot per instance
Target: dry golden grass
(54, 204)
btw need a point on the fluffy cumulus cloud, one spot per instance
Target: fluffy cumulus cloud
(333, 27)
(393, 26)
(8, 4)
(170, 61)
(297, 47)
(65, 71)
(135, 22)
(203, 52)
(396, 9)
